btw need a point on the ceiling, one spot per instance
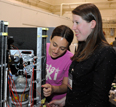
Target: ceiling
(62, 8)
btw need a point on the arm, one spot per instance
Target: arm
(49, 89)
(103, 77)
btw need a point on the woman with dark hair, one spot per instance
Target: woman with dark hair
(58, 62)
(94, 63)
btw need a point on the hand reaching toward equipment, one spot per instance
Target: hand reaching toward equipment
(57, 103)
(47, 90)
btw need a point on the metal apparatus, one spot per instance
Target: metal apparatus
(23, 65)
(3, 62)
(33, 43)
(21, 80)
(20, 89)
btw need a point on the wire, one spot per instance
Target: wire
(33, 83)
(12, 93)
(18, 50)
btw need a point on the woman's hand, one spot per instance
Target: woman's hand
(47, 90)
(57, 103)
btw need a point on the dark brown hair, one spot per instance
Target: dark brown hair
(63, 31)
(89, 12)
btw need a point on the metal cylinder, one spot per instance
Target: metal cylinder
(20, 93)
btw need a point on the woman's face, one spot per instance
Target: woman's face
(81, 27)
(58, 46)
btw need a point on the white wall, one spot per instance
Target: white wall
(22, 15)
(19, 15)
